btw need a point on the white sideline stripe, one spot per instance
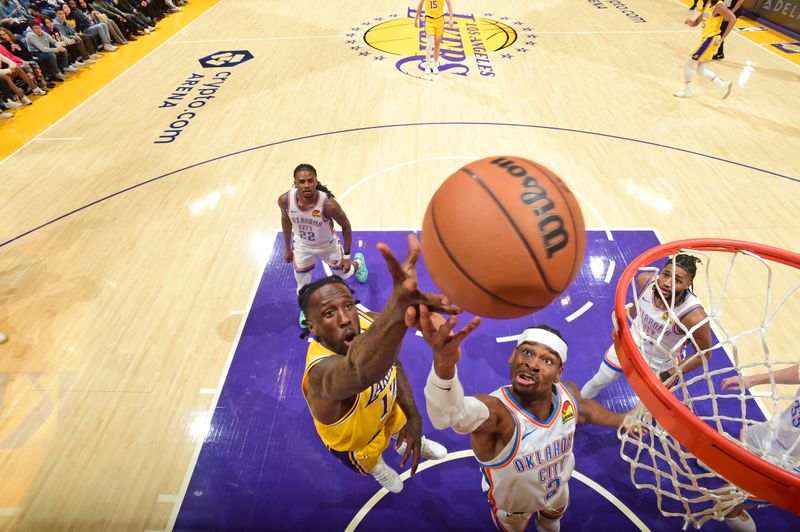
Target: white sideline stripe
(502, 339)
(224, 375)
(167, 498)
(467, 453)
(253, 39)
(208, 391)
(610, 272)
(622, 32)
(586, 306)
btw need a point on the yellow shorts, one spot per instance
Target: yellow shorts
(708, 47)
(365, 460)
(434, 26)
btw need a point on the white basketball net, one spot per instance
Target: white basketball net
(753, 325)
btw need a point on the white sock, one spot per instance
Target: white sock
(302, 279)
(687, 71)
(429, 50)
(743, 523)
(708, 73)
(601, 379)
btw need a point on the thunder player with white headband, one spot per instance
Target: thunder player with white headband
(521, 434)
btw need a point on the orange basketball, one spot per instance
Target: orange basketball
(503, 237)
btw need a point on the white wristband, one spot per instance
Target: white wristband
(447, 406)
(346, 256)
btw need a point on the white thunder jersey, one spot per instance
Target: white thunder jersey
(779, 441)
(658, 337)
(537, 463)
(310, 227)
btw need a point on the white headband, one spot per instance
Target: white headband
(546, 338)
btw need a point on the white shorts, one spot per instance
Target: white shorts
(305, 256)
(657, 364)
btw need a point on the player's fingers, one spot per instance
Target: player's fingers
(446, 328)
(416, 456)
(413, 251)
(438, 303)
(468, 328)
(401, 436)
(392, 264)
(409, 450)
(411, 317)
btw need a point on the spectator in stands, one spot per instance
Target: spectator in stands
(5, 77)
(17, 53)
(68, 31)
(86, 26)
(14, 15)
(123, 19)
(32, 76)
(78, 55)
(40, 43)
(119, 35)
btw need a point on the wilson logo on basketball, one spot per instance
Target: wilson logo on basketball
(471, 47)
(551, 225)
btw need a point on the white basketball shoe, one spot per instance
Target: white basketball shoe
(387, 477)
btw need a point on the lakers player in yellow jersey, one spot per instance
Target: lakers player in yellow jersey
(354, 384)
(434, 29)
(711, 17)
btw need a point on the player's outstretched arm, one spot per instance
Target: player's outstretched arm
(590, 411)
(790, 375)
(286, 225)
(334, 210)
(373, 353)
(444, 396)
(702, 337)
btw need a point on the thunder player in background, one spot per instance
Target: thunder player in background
(777, 442)
(714, 12)
(308, 210)
(659, 339)
(434, 29)
(522, 434)
(354, 384)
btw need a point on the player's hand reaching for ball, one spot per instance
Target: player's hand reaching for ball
(406, 289)
(734, 384)
(445, 344)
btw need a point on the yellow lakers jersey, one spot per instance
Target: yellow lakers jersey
(370, 410)
(711, 25)
(434, 8)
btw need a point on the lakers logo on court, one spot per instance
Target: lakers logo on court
(471, 47)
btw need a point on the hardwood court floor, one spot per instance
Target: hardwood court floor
(128, 266)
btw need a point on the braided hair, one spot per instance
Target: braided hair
(308, 168)
(686, 262)
(308, 290)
